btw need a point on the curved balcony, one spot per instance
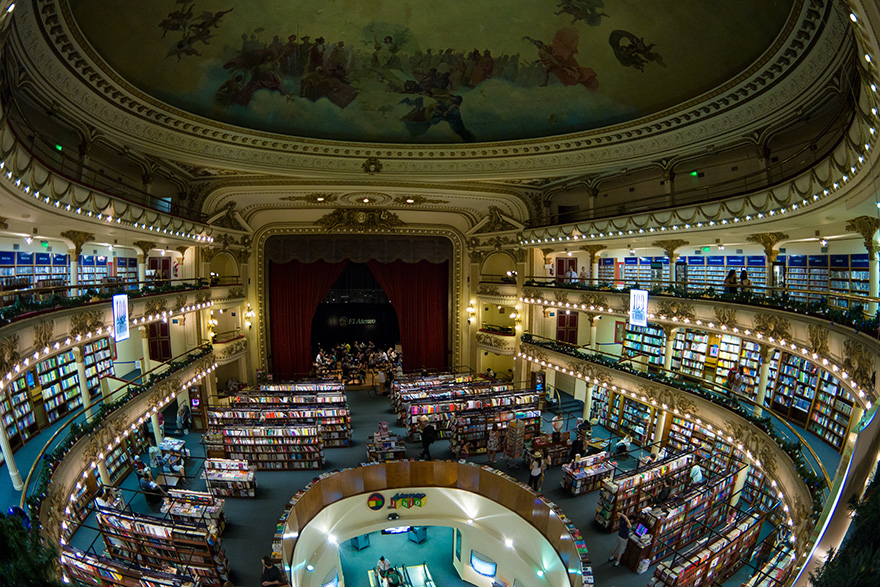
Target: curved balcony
(464, 492)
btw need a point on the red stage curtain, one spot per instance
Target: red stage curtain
(418, 292)
(295, 290)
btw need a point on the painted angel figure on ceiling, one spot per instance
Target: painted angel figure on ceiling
(558, 58)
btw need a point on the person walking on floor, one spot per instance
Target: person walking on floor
(536, 469)
(622, 539)
(492, 445)
(429, 435)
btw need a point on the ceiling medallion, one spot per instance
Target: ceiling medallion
(372, 166)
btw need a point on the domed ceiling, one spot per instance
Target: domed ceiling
(445, 72)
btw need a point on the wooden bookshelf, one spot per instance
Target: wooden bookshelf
(712, 559)
(631, 492)
(197, 507)
(157, 543)
(687, 517)
(230, 478)
(268, 447)
(83, 568)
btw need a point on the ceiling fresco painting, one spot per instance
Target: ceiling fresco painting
(410, 71)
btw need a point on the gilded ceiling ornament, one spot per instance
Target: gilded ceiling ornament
(676, 309)
(498, 242)
(145, 246)
(768, 240)
(561, 296)
(670, 245)
(771, 325)
(415, 200)
(235, 292)
(86, 321)
(530, 294)
(315, 198)
(43, 333)
(593, 299)
(486, 289)
(180, 301)
(476, 256)
(78, 238)
(858, 362)
(203, 296)
(182, 251)
(725, 316)
(155, 306)
(495, 342)
(208, 254)
(354, 220)
(372, 166)
(866, 226)
(818, 339)
(3, 223)
(9, 354)
(496, 222)
(225, 240)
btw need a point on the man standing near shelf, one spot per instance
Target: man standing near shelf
(429, 434)
(271, 575)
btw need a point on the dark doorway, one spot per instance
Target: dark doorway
(357, 309)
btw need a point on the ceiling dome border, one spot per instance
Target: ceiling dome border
(58, 56)
(456, 303)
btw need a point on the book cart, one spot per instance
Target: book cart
(712, 559)
(587, 474)
(384, 445)
(230, 478)
(197, 507)
(159, 543)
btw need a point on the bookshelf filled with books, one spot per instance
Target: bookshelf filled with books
(586, 474)
(267, 447)
(689, 352)
(832, 411)
(631, 492)
(83, 568)
(713, 559)
(795, 388)
(157, 543)
(647, 340)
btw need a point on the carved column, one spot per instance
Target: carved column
(669, 247)
(103, 473)
(158, 434)
(766, 353)
(588, 401)
(739, 483)
(78, 238)
(669, 331)
(9, 458)
(83, 382)
(211, 387)
(592, 251)
(768, 240)
(868, 227)
(659, 428)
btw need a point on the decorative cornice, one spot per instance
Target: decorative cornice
(725, 316)
(43, 333)
(78, 238)
(155, 306)
(858, 362)
(818, 339)
(354, 220)
(86, 321)
(773, 326)
(676, 309)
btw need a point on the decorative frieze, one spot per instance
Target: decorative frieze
(818, 339)
(9, 354)
(676, 309)
(725, 316)
(86, 321)
(773, 326)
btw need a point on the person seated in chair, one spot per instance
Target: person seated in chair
(172, 465)
(622, 446)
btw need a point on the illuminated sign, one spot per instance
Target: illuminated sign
(343, 321)
(483, 564)
(638, 307)
(120, 317)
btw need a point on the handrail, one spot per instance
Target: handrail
(670, 374)
(39, 460)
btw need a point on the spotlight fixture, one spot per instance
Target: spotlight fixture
(823, 242)
(28, 240)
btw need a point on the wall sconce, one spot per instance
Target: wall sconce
(249, 316)
(471, 311)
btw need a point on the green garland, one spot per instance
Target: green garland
(853, 317)
(78, 431)
(816, 483)
(26, 305)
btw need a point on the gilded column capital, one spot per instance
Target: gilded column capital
(768, 240)
(144, 246)
(669, 246)
(78, 238)
(867, 227)
(593, 250)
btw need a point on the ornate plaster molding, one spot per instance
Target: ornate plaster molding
(78, 238)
